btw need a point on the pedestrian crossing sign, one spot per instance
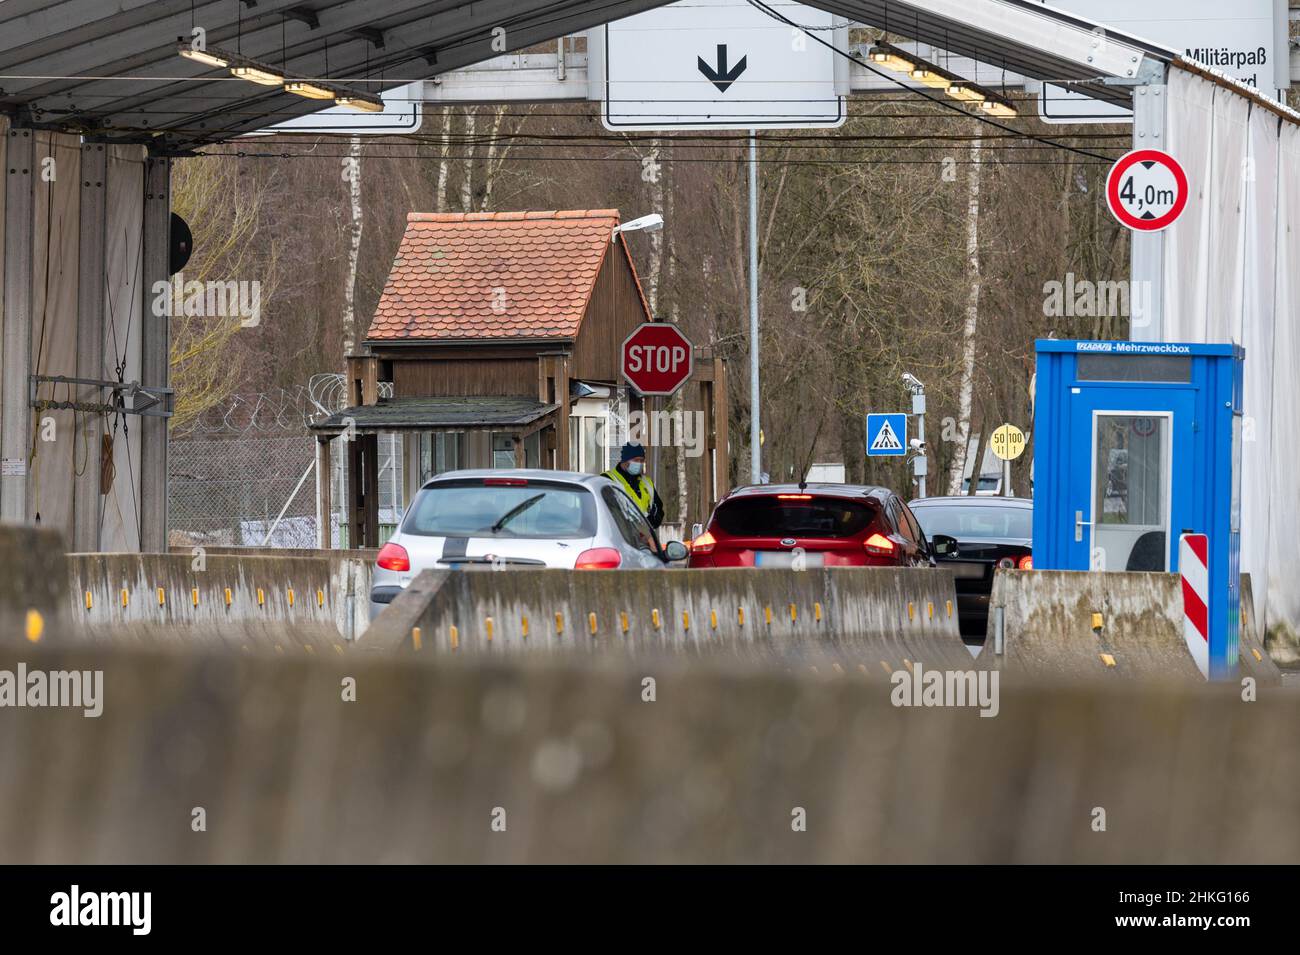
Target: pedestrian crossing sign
(887, 435)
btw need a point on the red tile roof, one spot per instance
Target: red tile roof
(496, 275)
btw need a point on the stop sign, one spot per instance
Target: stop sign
(657, 358)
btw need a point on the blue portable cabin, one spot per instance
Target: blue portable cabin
(1136, 443)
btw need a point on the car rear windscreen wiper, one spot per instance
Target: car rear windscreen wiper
(515, 511)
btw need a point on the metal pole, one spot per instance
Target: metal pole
(755, 426)
(920, 435)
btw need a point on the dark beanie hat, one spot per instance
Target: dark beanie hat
(631, 451)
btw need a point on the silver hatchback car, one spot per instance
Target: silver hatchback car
(498, 520)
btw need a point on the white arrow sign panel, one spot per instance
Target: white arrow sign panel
(719, 64)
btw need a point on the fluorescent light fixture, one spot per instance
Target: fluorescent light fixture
(263, 76)
(929, 78)
(360, 101)
(891, 58)
(309, 90)
(998, 108)
(965, 93)
(206, 57)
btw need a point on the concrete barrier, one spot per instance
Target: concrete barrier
(878, 618)
(562, 760)
(1050, 618)
(350, 571)
(238, 599)
(1255, 660)
(33, 579)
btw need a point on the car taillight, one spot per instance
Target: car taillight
(703, 544)
(879, 544)
(393, 557)
(794, 497)
(505, 482)
(1026, 562)
(598, 558)
(1007, 563)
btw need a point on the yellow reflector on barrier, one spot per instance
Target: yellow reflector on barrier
(1096, 621)
(1107, 659)
(686, 620)
(591, 622)
(740, 615)
(228, 596)
(454, 634)
(124, 597)
(35, 626)
(622, 619)
(261, 597)
(415, 638)
(290, 596)
(767, 614)
(794, 613)
(194, 595)
(559, 622)
(523, 625)
(162, 596)
(817, 612)
(713, 619)
(487, 625)
(654, 617)
(320, 598)
(88, 601)
(911, 611)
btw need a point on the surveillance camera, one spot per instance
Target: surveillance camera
(911, 380)
(917, 445)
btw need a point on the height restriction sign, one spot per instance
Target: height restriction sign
(1146, 190)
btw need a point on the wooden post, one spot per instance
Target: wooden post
(323, 492)
(720, 434)
(370, 488)
(562, 426)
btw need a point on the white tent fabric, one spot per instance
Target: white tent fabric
(56, 214)
(4, 139)
(123, 312)
(1243, 164)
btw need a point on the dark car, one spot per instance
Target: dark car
(991, 532)
(813, 525)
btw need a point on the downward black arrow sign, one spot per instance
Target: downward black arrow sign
(721, 77)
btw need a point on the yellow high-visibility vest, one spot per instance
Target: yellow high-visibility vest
(643, 500)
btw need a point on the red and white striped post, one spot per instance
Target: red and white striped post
(1193, 565)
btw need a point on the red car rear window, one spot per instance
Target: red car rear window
(769, 516)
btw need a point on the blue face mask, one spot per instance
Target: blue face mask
(634, 468)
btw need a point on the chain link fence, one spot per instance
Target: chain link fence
(244, 474)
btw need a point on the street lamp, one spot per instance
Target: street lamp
(651, 223)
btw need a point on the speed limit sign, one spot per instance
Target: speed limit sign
(1146, 190)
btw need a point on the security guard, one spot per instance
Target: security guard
(631, 477)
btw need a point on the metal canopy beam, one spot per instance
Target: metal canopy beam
(1026, 37)
(163, 105)
(77, 41)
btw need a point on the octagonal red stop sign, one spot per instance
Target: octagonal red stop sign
(657, 358)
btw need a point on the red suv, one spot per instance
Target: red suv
(816, 525)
